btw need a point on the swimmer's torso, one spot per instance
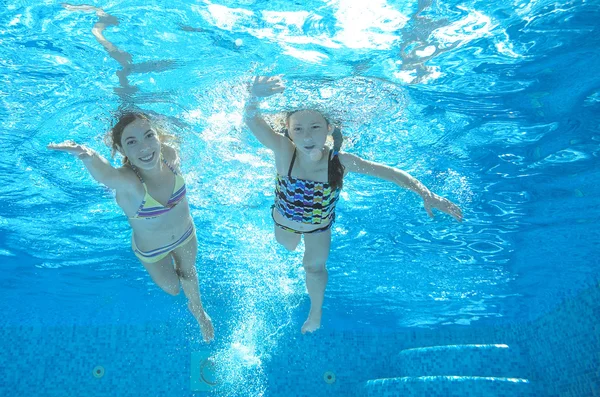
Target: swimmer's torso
(304, 200)
(155, 225)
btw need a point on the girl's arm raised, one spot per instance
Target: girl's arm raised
(353, 163)
(262, 87)
(98, 166)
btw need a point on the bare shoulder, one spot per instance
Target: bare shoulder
(129, 181)
(283, 154)
(286, 146)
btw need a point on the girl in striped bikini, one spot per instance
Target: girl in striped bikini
(164, 236)
(308, 182)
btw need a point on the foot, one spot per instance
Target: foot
(104, 18)
(84, 7)
(312, 323)
(204, 321)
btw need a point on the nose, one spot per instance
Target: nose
(145, 147)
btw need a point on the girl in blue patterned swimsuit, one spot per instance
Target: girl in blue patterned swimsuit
(308, 183)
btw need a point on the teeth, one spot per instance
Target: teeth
(148, 157)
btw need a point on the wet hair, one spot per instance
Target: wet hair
(335, 167)
(116, 133)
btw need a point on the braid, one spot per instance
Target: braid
(336, 169)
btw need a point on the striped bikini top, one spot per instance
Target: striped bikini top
(151, 208)
(304, 201)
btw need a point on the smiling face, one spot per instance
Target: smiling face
(308, 129)
(140, 144)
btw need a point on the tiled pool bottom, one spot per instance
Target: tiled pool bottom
(558, 354)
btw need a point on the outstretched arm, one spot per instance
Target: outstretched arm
(262, 87)
(98, 166)
(353, 163)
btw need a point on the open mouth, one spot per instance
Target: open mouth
(148, 158)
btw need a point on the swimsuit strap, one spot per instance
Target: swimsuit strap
(138, 174)
(292, 164)
(168, 165)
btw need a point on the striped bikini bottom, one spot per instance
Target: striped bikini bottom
(158, 254)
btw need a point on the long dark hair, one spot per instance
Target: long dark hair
(335, 176)
(336, 169)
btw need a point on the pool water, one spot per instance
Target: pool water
(495, 106)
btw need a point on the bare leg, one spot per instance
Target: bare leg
(185, 262)
(122, 57)
(288, 239)
(164, 275)
(315, 257)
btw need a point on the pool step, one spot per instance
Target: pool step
(473, 370)
(449, 386)
(482, 360)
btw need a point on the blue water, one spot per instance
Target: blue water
(495, 106)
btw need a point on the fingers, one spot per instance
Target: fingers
(270, 80)
(277, 89)
(62, 144)
(429, 211)
(264, 86)
(66, 146)
(274, 82)
(456, 215)
(454, 211)
(459, 215)
(278, 85)
(446, 206)
(55, 146)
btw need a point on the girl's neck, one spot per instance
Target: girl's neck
(154, 173)
(307, 162)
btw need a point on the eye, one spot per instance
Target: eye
(316, 126)
(150, 135)
(131, 142)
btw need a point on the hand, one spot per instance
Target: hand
(72, 148)
(443, 204)
(266, 86)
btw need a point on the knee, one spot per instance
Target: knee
(312, 266)
(172, 290)
(185, 275)
(288, 245)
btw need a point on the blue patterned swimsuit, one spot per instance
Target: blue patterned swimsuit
(304, 201)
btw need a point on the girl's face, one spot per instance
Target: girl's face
(140, 144)
(308, 129)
